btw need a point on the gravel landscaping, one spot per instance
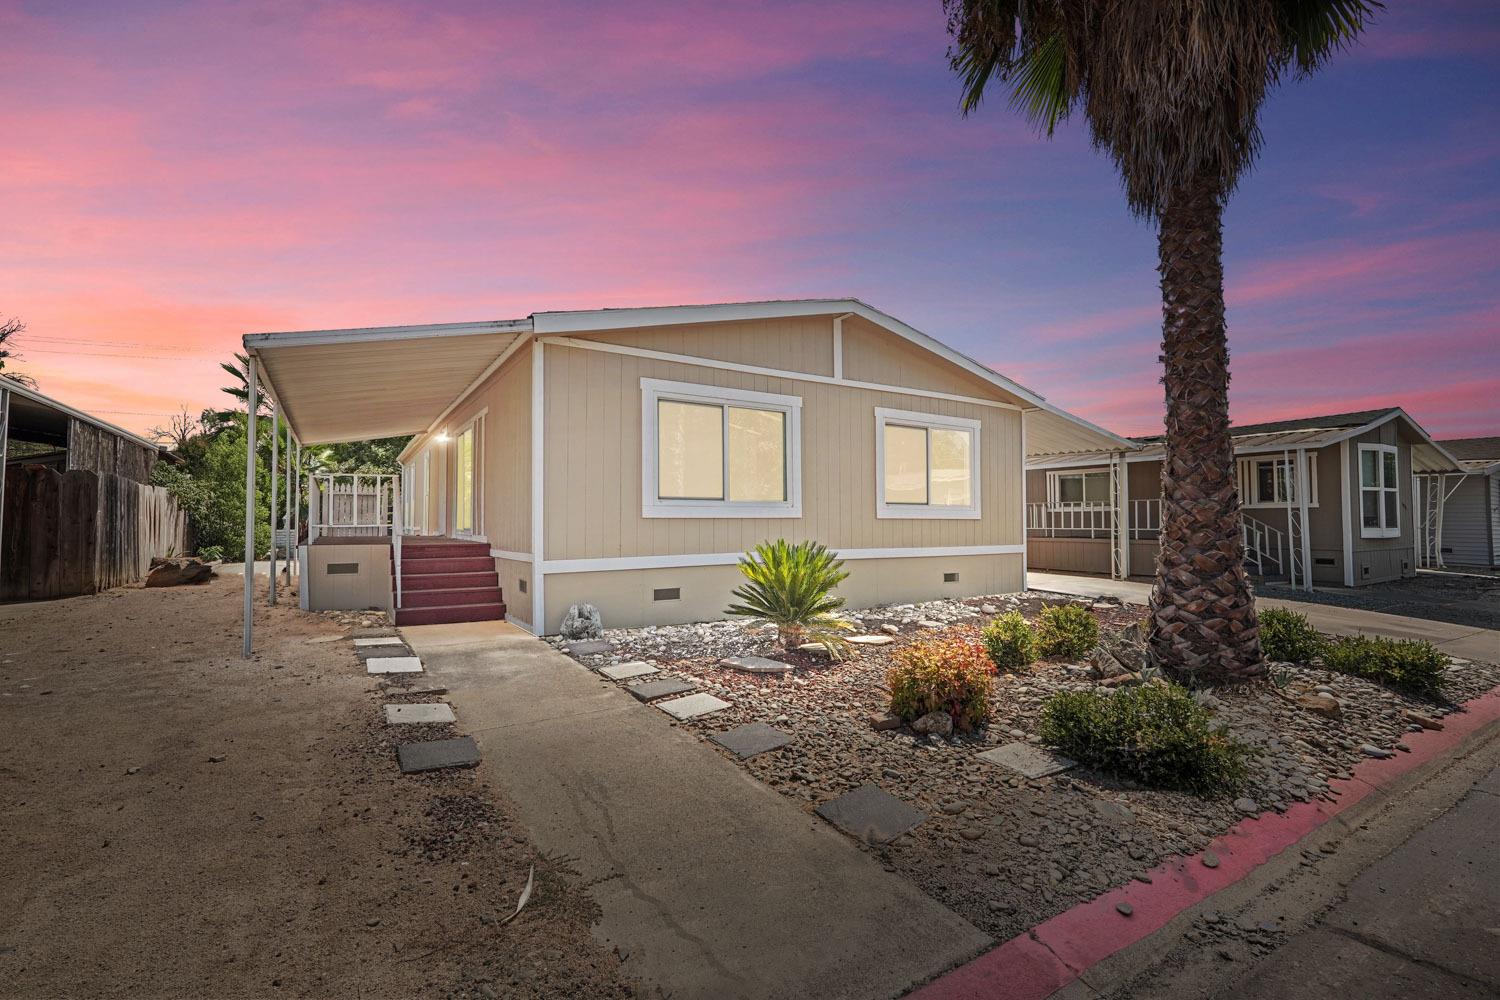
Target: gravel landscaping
(1006, 851)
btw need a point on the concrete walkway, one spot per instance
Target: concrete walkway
(1456, 640)
(711, 884)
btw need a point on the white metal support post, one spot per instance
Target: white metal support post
(1306, 540)
(275, 464)
(4, 452)
(286, 516)
(1124, 515)
(1293, 550)
(251, 401)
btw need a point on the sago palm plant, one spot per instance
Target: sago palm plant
(1172, 90)
(791, 587)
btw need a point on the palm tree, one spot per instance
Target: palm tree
(1172, 90)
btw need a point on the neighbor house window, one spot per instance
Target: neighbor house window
(926, 465)
(1270, 481)
(1076, 489)
(468, 479)
(709, 451)
(1379, 494)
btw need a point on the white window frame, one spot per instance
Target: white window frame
(655, 390)
(1250, 480)
(1054, 490)
(476, 424)
(1390, 521)
(928, 421)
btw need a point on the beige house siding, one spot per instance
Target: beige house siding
(506, 463)
(798, 343)
(513, 575)
(593, 465)
(361, 581)
(628, 596)
(872, 354)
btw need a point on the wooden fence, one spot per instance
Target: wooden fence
(80, 532)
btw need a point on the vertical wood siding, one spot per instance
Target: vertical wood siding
(593, 464)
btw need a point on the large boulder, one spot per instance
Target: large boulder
(582, 622)
(176, 572)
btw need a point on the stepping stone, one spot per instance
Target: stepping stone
(754, 738)
(380, 640)
(589, 647)
(1028, 760)
(408, 715)
(372, 652)
(757, 664)
(372, 633)
(393, 665)
(434, 756)
(625, 671)
(870, 640)
(692, 706)
(871, 814)
(659, 689)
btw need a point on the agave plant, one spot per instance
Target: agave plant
(791, 587)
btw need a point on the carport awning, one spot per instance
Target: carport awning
(354, 385)
(1052, 433)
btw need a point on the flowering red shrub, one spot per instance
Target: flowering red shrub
(953, 674)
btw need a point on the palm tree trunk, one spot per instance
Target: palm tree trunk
(1203, 609)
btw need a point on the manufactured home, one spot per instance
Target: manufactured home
(627, 458)
(1468, 504)
(1328, 499)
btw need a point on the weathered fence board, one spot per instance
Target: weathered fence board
(79, 532)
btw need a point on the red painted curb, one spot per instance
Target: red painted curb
(1034, 965)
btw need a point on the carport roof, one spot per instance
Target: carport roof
(358, 384)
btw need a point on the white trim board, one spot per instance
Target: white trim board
(607, 565)
(507, 555)
(374, 334)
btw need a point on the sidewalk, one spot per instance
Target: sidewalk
(1456, 640)
(711, 884)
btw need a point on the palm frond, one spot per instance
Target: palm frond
(1040, 91)
(1316, 29)
(791, 587)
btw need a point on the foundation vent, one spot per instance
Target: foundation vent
(667, 594)
(950, 577)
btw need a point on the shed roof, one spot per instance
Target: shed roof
(45, 420)
(356, 384)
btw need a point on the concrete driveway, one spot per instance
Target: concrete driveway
(1464, 641)
(711, 883)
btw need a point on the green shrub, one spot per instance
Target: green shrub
(1412, 666)
(1154, 733)
(1288, 636)
(208, 553)
(1009, 641)
(953, 675)
(791, 586)
(1066, 630)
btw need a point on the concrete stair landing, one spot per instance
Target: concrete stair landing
(448, 581)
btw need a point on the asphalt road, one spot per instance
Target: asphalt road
(1422, 922)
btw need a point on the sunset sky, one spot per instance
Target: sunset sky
(174, 175)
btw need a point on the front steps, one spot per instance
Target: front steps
(445, 582)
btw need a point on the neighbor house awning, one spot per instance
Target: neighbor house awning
(356, 385)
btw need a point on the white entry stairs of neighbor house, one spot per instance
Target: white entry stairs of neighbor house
(1264, 546)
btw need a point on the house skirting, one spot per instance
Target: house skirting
(671, 595)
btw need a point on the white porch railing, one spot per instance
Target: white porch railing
(1145, 518)
(1070, 520)
(352, 504)
(1263, 544)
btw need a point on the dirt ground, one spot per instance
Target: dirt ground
(180, 822)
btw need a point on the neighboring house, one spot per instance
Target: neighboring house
(629, 457)
(1349, 478)
(77, 513)
(1470, 523)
